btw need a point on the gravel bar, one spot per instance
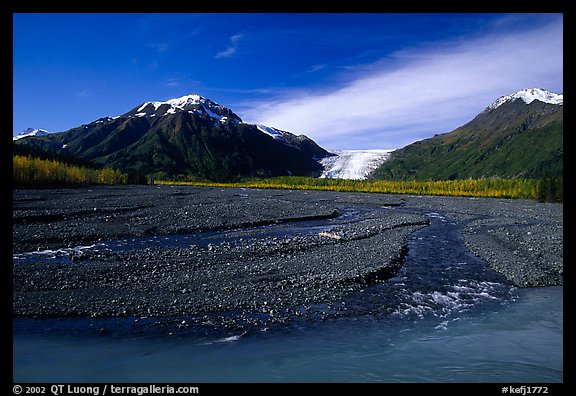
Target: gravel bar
(274, 277)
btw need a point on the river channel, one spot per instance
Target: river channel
(444, 316)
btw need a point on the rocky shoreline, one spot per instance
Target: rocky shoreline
(271, 278)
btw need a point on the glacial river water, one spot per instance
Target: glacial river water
(444, 317)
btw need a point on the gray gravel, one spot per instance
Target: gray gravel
(275, 276)
(521, 239)
(65, 217)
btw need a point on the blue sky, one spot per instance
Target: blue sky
(348, 81)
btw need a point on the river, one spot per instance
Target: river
(446, 316)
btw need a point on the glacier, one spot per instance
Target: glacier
(353, 164)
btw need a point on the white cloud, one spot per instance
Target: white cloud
(316, 68)
(418, 93)
(231, 50)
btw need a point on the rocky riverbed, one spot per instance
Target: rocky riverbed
(245, 279)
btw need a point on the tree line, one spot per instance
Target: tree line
(33, 171)
(545, 190)
(28, 171)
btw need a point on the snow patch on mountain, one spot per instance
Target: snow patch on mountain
(275, 133)
(529, 95)
(201, 106)
(192, 103)
(30, 132)
(181, 103)
(353, 164)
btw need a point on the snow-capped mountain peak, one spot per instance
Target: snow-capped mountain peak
(30, 132)
(529, 95)
(182, 103)
(192, 103)
(199, 105)
(187, 100)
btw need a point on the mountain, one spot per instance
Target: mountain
(518, 135)
(528, 96)
(352, 164)
(30, 132)
(190, 136)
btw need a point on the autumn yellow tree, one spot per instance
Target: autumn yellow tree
(29, 170)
